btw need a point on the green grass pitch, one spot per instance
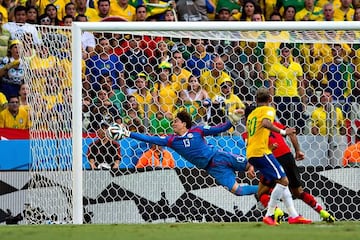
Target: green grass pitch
(183, 231)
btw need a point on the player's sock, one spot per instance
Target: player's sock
(289, 203)
(264, 199)
(275, 196)
(311, 201)
(246, 190)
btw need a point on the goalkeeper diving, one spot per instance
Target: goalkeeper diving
(189, 142)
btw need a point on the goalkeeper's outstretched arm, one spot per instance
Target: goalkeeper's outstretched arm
(161, 141)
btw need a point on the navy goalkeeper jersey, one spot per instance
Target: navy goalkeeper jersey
(192, 145)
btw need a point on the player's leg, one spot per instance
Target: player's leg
(292, 172)
(272, 170)
(222, 169)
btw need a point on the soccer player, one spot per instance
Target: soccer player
(282, 153)
(190, 143)
(259, 125)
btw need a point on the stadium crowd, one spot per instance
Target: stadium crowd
(143, 81)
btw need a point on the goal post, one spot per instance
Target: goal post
(184, 193)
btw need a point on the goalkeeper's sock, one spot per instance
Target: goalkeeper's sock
(246, 190)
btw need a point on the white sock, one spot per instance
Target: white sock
(289, 203)
(275, 197)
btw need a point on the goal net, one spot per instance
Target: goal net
(87, 77)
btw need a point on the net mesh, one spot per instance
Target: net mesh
(141, 79)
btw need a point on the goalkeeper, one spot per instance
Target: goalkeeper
(190, 143)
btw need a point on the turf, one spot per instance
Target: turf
(185, 231)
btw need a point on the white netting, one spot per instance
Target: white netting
(126, 78)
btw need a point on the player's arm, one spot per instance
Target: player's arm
(161, 141)
(299, 155)
(266, 123)
(213, 130)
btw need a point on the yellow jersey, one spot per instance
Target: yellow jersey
(20, 121)
(212, 84)
(258, 136)
(286, 83)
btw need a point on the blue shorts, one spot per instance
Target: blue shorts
(223, 166)
(269, 167)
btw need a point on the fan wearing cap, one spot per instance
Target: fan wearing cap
(224, 102)
(11, 70)
(211, 79)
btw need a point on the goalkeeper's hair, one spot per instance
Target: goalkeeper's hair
(185, 117)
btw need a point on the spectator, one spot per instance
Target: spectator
(156, 157)
(102, 63)
(289, 13)
(4, 38)
(133, 118)
(286, 85)
(310, 12)
(345, 12)
(52, 11)
(32, 15)
(357, 14)
(61, 111)
(3, 102)
(103, 10)
(144, 97)
(282, 4)
(4, 13)
(135, 61)
(268, 7)
(23, 97)
(223, 14)
(164, 94)
(67, 20)
(87, 38)
(83, 10)
(70, 10)
(18, 28)
(195, 10)
(249, 8)
(270, 49)
(224, 103)
(180, 74)
(232, 6)
(211, 79)
(104, 153)
(339, 76)
(123, 9)
(195, 99)
(140, 15)
(103, 111)
(328, 11)
(11, 70)
(170, 16)
(161, 53)
(44, 65)
(116, 96)
(352, 153)
(327, 119)
(14, 116)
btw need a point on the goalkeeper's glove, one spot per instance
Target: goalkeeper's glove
(124, 131)
(236, 116)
